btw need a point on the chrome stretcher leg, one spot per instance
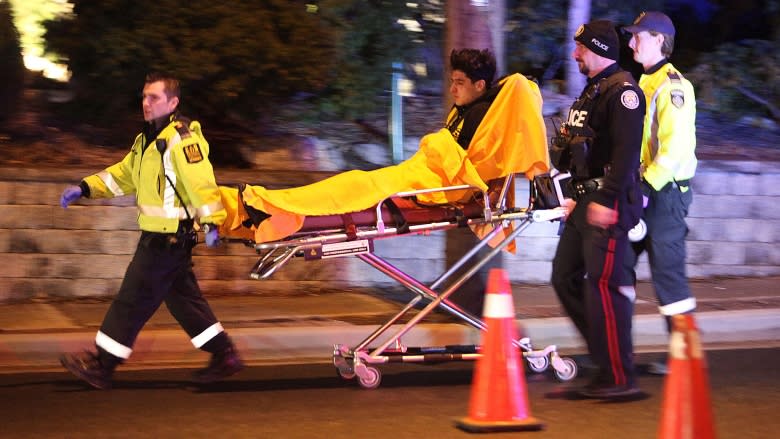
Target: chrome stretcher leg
(271, 261)
(451, 289)
(459, 263)
(421, 290)
(539, 360)
(351, 362)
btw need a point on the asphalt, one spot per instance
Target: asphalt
(732, 312)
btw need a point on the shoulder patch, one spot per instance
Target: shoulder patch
(677, 98)
(674, 77)
(629, 99)
(193, 154)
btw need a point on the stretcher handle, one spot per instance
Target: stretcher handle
(438, 189)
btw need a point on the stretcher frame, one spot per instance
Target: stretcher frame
(358, 362)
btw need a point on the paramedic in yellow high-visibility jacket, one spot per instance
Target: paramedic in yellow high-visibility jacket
(668, 163)
(168, 171)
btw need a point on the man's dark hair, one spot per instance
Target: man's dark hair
(171, 84)
(476, 64)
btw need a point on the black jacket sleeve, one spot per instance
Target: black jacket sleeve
(625, 123)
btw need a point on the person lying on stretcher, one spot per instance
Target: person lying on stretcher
(510, 139)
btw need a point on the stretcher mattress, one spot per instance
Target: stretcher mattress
(406, 212)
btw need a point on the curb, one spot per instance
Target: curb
(650, 334)
(163, 348)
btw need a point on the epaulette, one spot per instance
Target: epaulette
(182, 128)
(674, 77)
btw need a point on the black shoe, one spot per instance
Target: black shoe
(222, 365)
(87, 367)
(611, 391)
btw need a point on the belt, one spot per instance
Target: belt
(184, 237)
(585, 187)
(675, 184)
(167, 241)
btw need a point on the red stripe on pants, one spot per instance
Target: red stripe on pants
(613, 346)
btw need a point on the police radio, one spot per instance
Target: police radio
(161, 145)
(560, 155)
(569, 149)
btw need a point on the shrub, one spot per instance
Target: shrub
(237, 60)
(12, 72)
(231, 56)
(739, 78)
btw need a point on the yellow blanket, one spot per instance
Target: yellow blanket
(510, 139)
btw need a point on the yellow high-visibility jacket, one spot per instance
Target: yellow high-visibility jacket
(177, 157)
(669, 138)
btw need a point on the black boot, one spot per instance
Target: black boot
(87, 367)
(222, 365)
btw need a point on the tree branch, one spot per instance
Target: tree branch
(774, 111)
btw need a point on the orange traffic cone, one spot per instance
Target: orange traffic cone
(686, 410)
(499, 401)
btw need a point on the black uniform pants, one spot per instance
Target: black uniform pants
(665, 245)
(160, 271)
(586, 276)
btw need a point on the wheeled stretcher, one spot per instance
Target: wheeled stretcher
(353, 235)
(442, 186)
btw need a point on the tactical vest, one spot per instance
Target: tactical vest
(569, 150)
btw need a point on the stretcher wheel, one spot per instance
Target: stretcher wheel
(370, 379)
(570, 370)
(538, 364)
(344, 367)
(346, 374)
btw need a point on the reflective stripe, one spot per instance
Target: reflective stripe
(179, 212)
(110, 183)
(210, 332)
(499, 306)
(629, 291)
(679, 307)
(162, 212)
(686, 170)
(651, 116)
(667, 163)
(677, 346)
(209, 209)
(112, 346)
(169, 193)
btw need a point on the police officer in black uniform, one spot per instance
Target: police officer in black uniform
(599, 145)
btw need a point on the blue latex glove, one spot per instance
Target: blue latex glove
(69, 195)
(212, 235)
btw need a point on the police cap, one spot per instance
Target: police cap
(652, 21)
(600, 37)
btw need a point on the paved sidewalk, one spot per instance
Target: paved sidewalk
(304, 328)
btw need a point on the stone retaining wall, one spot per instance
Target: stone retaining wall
(49, 252)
